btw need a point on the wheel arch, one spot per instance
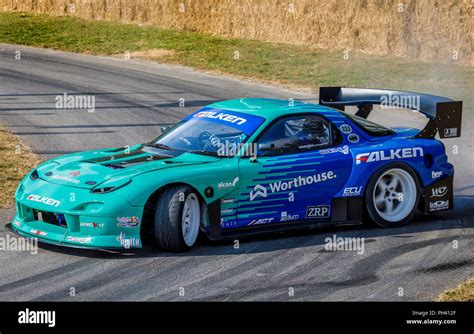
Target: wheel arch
(388, 166)
(393, 163)
(149, 207)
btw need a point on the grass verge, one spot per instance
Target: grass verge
(463, 293)
(17, 159)
(293, 65)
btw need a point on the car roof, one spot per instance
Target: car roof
(271, 108)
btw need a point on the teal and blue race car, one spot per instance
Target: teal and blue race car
(247, 166)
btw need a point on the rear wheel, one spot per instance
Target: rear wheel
(177, 219)
(392, 196)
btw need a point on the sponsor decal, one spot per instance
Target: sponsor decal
(343, 149)
(318, 211)
(345, 129)
(308, 146)
(436, 174)
(439, 206)
(221, 116)
(257, 191)
(244, 122)
(352, 191)
(38, 232)
(227, 200)
(286, 217)
(44, 200)
(127, 242)
(16, 223)
(91, 224)
(75, 173)
(439, 192)
(37, 317)
(226, 211)
(228, 223)
(261, 221)
(297, 182)
(353, 138)
(451, 132)
(393, 154)
(229, 184)
(65, 178)
(128, 222)
(81, 240)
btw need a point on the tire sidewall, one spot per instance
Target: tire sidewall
(172, 218)
(370, 205)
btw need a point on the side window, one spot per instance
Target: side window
(295, 134)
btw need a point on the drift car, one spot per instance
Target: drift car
(247, 166)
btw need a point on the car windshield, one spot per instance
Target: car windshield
(210, 133)
(371, 128)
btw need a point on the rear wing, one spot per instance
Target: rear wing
(444, 114)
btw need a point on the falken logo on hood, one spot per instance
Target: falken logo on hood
(44, 200)
(393, 154)
(246, 123)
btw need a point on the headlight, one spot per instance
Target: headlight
(34, 175)
(108, 187)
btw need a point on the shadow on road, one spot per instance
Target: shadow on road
(460, 218)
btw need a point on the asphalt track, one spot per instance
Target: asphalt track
(134, 99)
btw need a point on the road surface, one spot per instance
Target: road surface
(133, 100)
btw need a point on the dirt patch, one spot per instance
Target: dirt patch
(16, 161)
(463, 293)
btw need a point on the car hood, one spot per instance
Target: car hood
(92, 168)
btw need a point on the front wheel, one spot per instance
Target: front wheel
(177, 219)
(392, 196)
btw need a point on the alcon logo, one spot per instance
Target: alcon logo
(228, 184)
(393, 154)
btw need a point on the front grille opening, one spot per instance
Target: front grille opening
(53, 218)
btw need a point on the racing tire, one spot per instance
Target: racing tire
(392, 195)
(177, 219)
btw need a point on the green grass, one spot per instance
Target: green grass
(281, 63)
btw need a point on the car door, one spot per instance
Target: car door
(300, 165)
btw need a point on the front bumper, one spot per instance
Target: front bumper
(96, 221)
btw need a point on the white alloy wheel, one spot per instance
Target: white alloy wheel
(190, 219)
(394, 195)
